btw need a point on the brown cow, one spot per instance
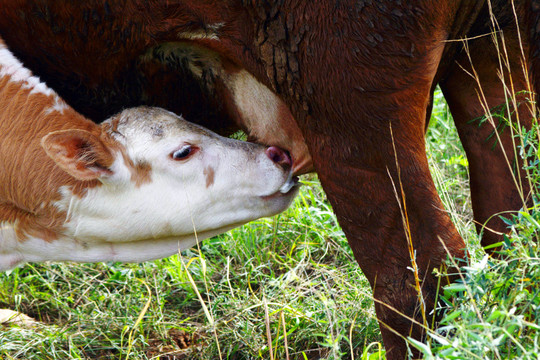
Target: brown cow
(353, 78)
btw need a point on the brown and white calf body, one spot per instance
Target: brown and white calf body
(142, 185)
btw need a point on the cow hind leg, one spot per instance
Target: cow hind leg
(473, 85)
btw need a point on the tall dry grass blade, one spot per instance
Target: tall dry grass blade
(139, 318)
(498, 40)
(268, 333)
(510, 91)
(209, 316)
(228, 267)
(284, 335)
(524, 65)
(194, 286)
(350, 336)
(405, 217)
(489, 116)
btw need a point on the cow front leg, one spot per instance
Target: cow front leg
(399, 232)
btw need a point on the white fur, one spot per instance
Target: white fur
(59, 106)
(69, 249)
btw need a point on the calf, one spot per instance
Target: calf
(142, 185)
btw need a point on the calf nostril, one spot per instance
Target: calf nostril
(279, 156)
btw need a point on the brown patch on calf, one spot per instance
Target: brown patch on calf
(43, 225)
(209, 173)
(141, 172)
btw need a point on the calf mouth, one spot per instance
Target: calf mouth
(289, 188)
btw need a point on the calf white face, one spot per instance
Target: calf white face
(194, 180)
(169, 183)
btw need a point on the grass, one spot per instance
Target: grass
(494, 308)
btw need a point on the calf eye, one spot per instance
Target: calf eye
(182, 153)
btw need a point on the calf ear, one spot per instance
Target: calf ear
(79, 153)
